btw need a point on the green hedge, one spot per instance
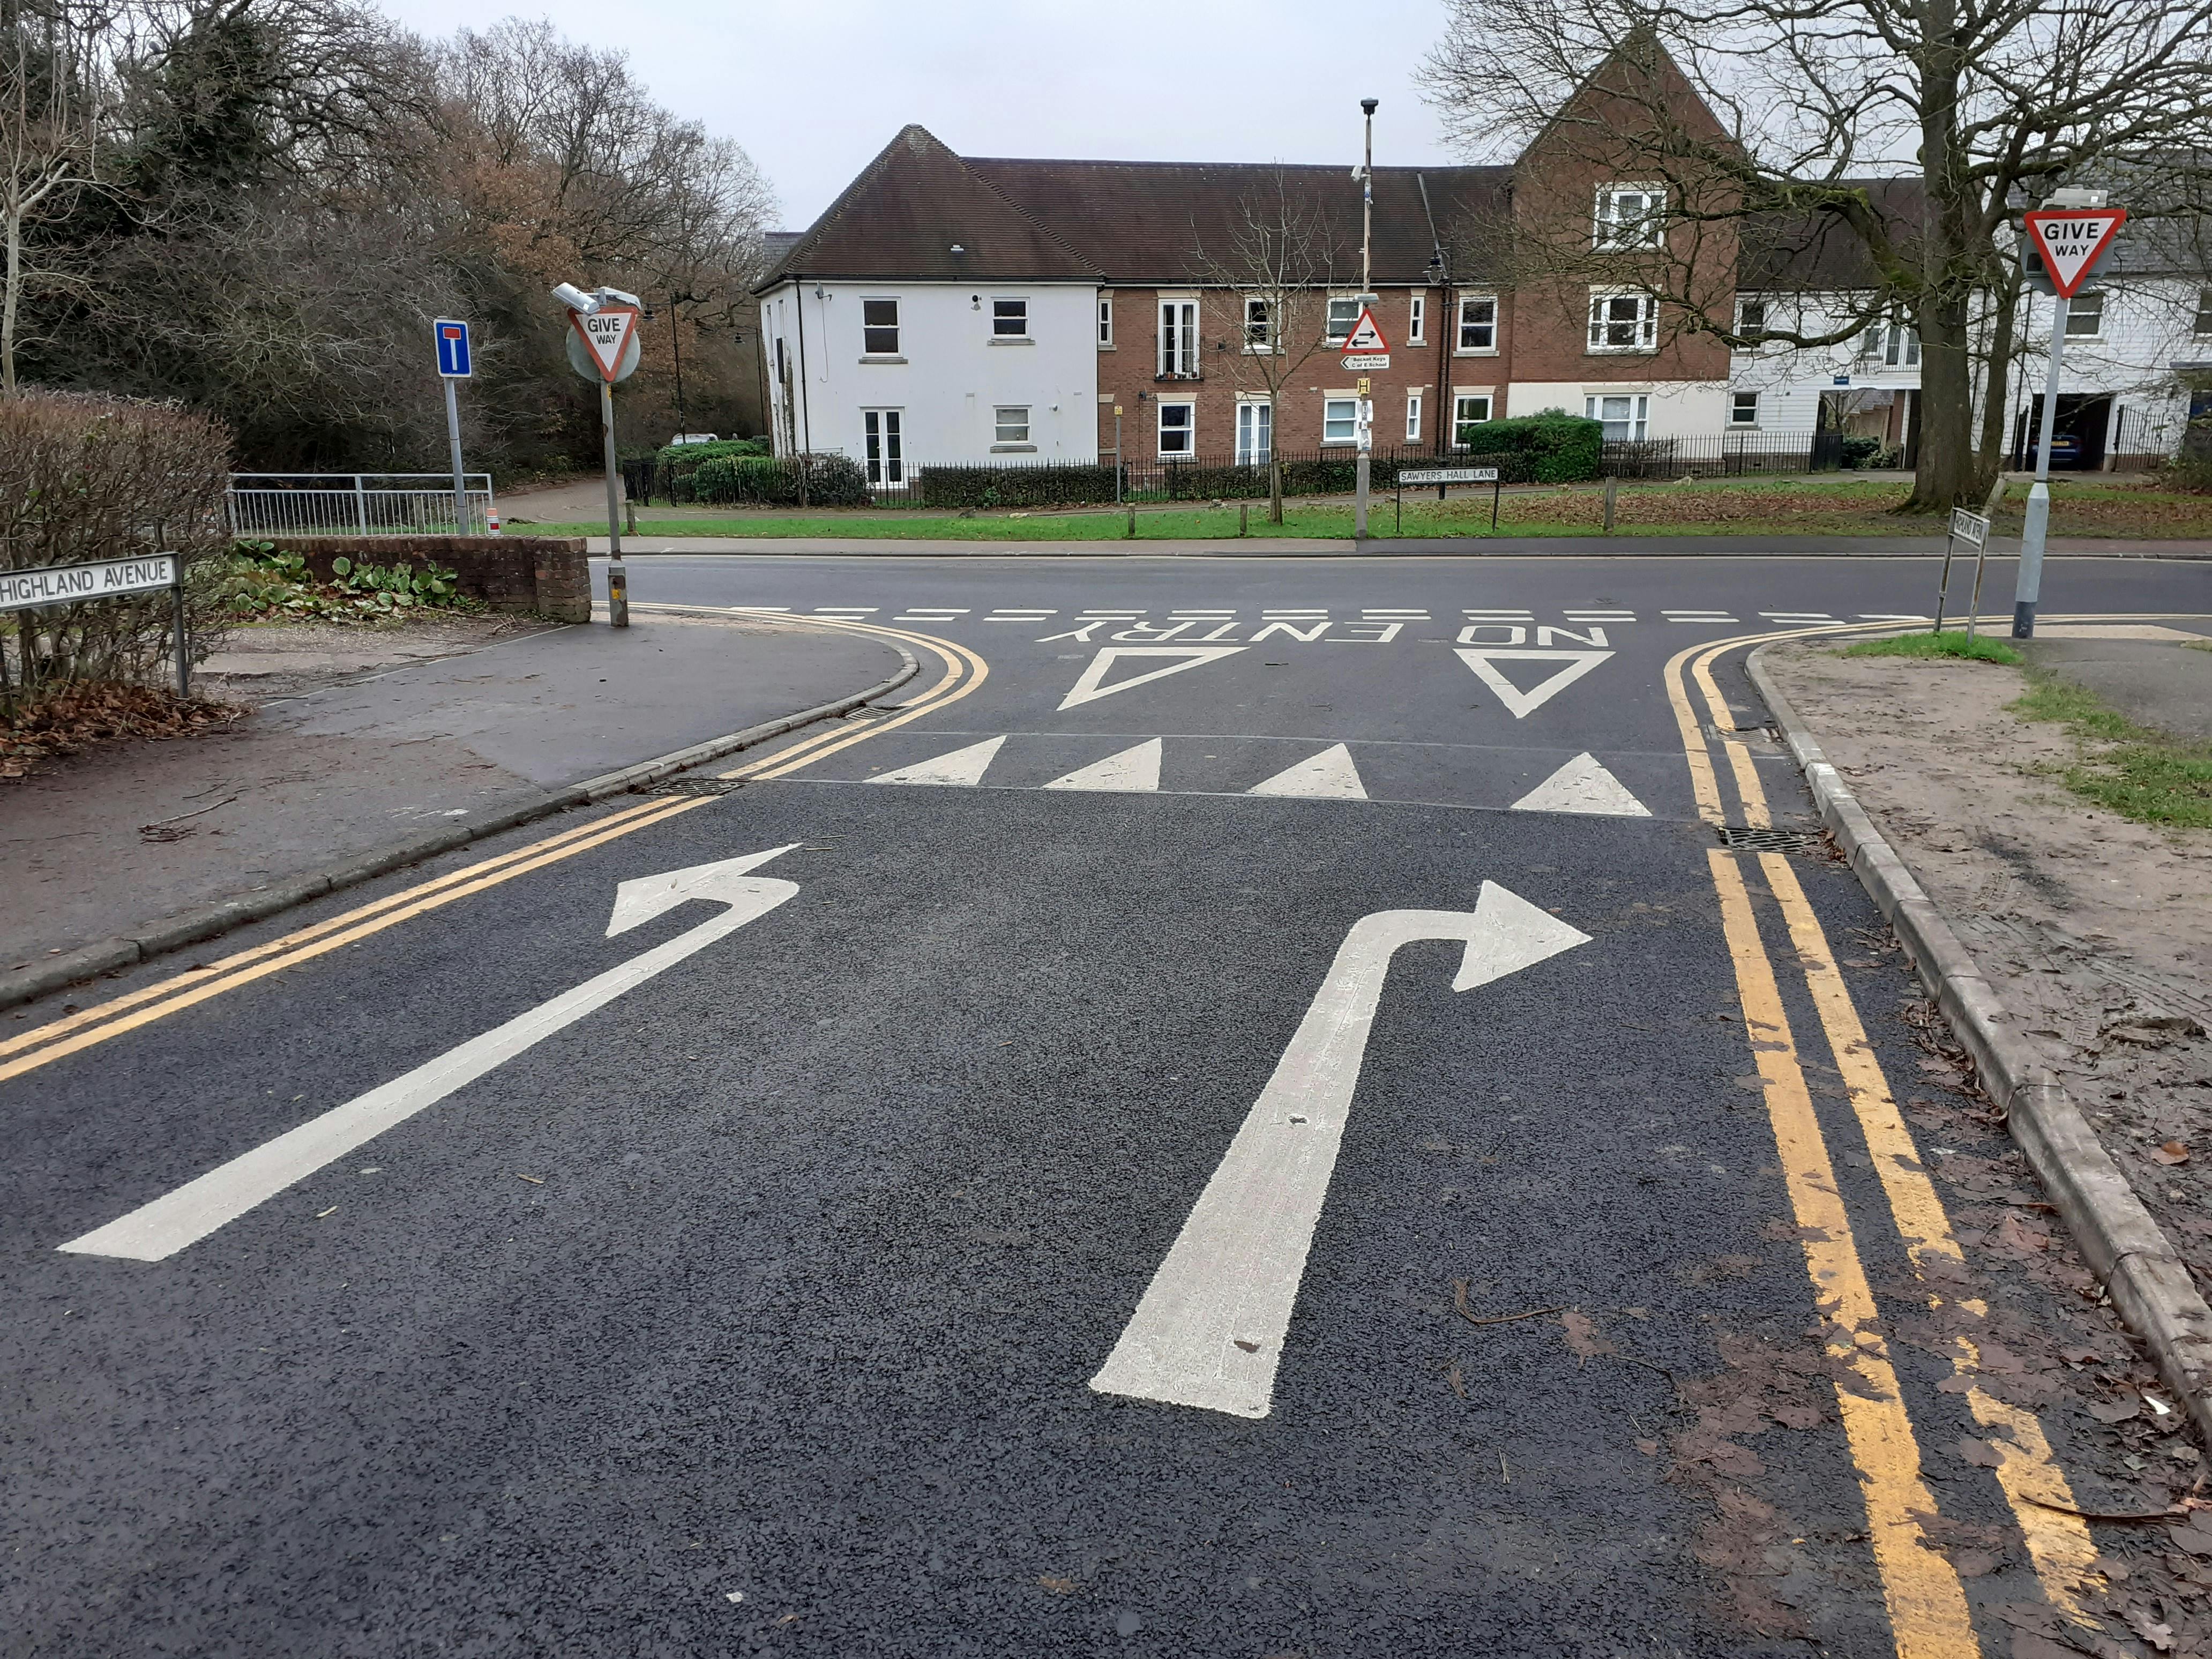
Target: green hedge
(764, 481)
(1552, 447)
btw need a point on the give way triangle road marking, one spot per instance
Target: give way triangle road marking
(1521, 704)
(1089, 689)
(1583, 786)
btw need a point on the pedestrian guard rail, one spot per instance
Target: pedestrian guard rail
(263, 504)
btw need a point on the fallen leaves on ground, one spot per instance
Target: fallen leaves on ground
(81, 716)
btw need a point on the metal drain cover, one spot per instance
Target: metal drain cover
(1774, 841)
(694, 786)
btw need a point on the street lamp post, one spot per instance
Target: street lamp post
(1365, 426)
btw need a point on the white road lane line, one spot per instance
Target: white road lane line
(1521, 704)
(962, 767)
(161, 1229)
(845, 609)
(1133, 771)
(1329, 775)
(1583, 786)
(1210, 1329)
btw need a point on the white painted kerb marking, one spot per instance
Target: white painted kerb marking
(1209, 1331)
(183, 1216)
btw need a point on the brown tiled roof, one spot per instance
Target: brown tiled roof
(1816, 252)
(909, 208)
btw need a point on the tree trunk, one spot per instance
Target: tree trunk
(1944, 475)
(8, 302)
(1274, 467)
(1997, 394)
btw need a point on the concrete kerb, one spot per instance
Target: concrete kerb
(205, 923)
(2122, 1244)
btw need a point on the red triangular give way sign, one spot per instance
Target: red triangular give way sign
(2071, 240)
(605, 332)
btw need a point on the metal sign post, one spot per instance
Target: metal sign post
(1973, 529)
(2071, 234)
(452, 339)
(602, 345)
(1441, 476)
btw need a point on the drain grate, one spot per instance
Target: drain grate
(694, 786)
(1774, 841)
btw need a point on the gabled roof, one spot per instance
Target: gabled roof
(908, 209)
(1814, 251)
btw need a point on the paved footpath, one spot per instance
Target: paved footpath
(1254, 1109)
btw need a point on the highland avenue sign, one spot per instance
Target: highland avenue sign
(67, 584)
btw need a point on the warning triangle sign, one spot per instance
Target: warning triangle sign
(1521, 704)
(605, 332)
(1090, 686)
(2071, 240)
(1366, 336)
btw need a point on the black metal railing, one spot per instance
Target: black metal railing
(1724, 455)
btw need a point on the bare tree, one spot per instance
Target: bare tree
(1997, 101)
(1273, 269)
(56, 97)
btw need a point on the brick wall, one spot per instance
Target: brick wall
(548, 575)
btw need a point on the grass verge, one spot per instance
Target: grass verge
(2135, 770)
(1981, 648)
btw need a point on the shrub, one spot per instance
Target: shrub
(265, 581)
(1552, 447)
(770, 481)
(92, 477)
(673, 471)
(1857, 451)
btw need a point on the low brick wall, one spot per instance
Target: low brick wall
(547, 574)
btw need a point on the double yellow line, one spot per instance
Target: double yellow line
(1927, 1604)
(963, 671)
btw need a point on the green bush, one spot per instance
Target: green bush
(1552, 447)
(1858, 451)
(771, 481)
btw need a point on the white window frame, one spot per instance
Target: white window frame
(1255, 431)
(1751, 319)
(1638, 419)
(1611, 233)
(1348, 401)
(1463, 403)
(2098, 295)
(1417, 319)
(1414, 401)
(1462, 324)
(1105, 322)
(1188, 428)
(1900, 345)
(1603, 322)
(1263, 343)
(882, 445)
(999, 425)
(1330, 334)
(1743, 415)
(2202, 328)
(1178, 340)
(1021, 300)
(867, 349)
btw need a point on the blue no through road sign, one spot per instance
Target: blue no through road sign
(452, 339)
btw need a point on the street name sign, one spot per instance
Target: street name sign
(610, 339)
(2071, 241)
(1970, 528)
(1364, 347)
(1449, 475)
(69, 584)
(453, 337)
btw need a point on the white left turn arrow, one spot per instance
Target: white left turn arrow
(161, 1229)
(1209, 1331)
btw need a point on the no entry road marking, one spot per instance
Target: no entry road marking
(161, 1229)
(1210, 1329)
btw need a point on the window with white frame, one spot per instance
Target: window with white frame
(1469, 410)
(1178, 340)
(1010, 319)
(1477, 323)
(1105, 322)
(1414, 415)
(1751, 319)
(1625, 417)
(2203, 314)
(1343, 314)
(879, 327)
(1258, 325)
(2085, 317)
(1743, 409)
(1417, 319)
(1011, 423)
(886, 453)
(1178, 429)
(1629, 216)
(1255, 431)
(1340, 420)
(1623, 322)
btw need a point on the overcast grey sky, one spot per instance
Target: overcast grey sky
(813, 89)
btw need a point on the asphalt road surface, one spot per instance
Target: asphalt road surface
(1255, 1111)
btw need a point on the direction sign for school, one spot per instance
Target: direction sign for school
(453, 338)
(2072, 240)
(69, 584)
(1364, 347)
(605, 333)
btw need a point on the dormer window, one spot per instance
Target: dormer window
(1629, 216)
